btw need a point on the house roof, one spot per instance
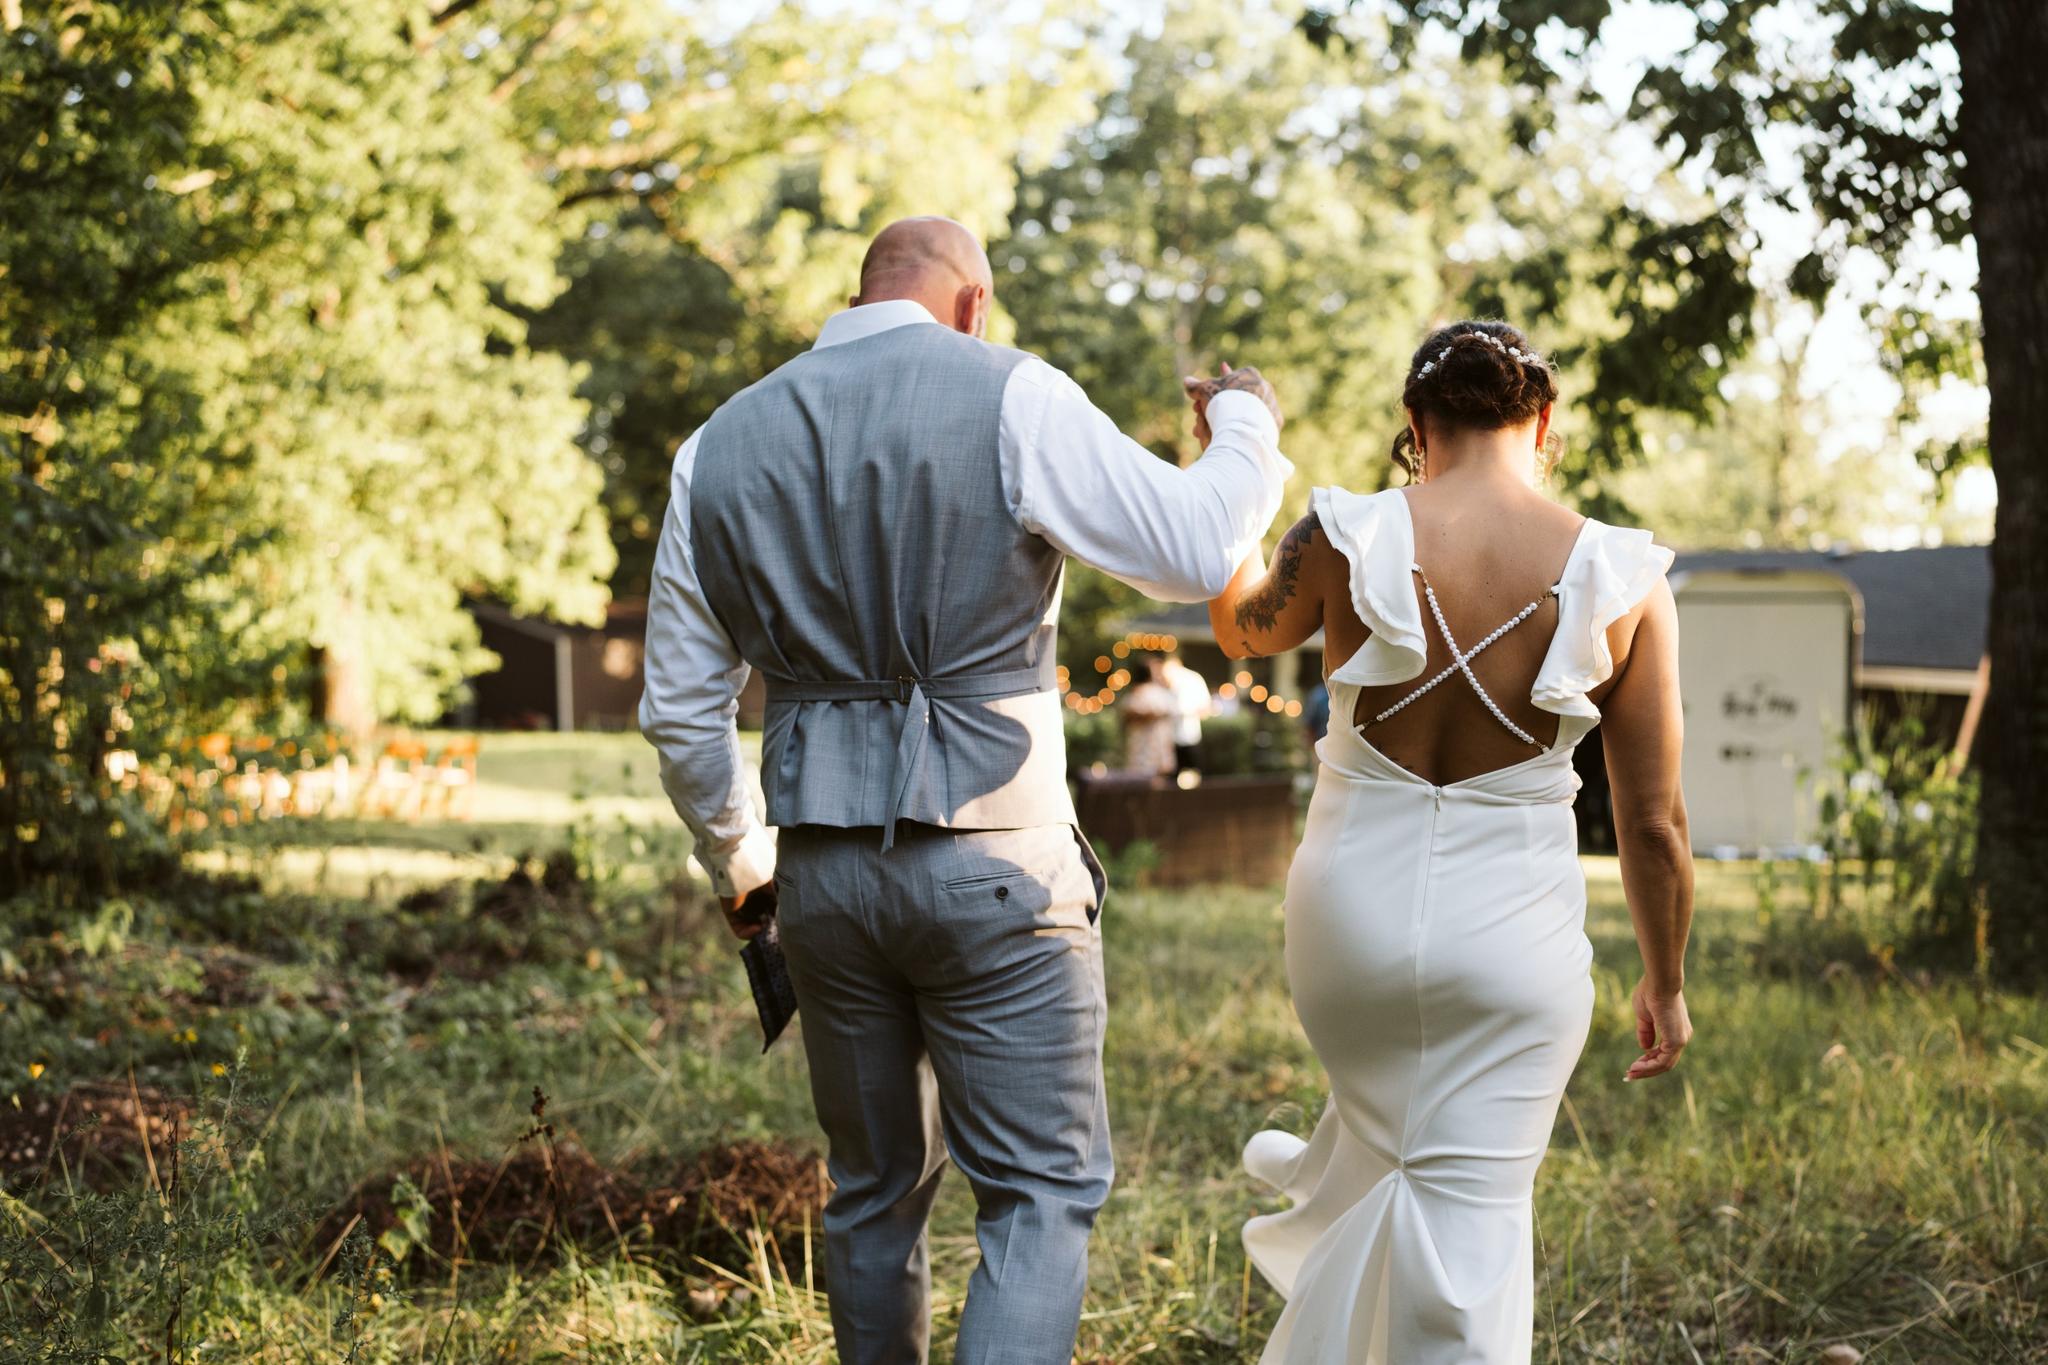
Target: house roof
(621, 615)
(1924, 608)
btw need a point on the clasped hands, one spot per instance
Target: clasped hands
(1247, 380)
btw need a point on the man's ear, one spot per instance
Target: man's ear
(970, 310)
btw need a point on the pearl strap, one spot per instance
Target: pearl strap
(1461, 660)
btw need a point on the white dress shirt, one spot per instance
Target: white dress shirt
(1069, 475)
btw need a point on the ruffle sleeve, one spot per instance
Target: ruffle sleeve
(1612, 570)
(1378, 541)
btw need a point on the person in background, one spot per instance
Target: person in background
(1150, 715)
(1193, 705)
(1315, 715)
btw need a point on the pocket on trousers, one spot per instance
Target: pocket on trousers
(1097, 878)
(1002, 878)
(788, 895)
(1034, 881)
(1059, 905)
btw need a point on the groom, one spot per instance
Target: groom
(880, 527)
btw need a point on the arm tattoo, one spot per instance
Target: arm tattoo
(1260, 609)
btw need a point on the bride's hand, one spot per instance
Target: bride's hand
(1662, 1028)
(1199, 391)
(1246, 379)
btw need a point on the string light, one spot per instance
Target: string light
(1115, 679)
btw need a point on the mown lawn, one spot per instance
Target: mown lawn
(353, 1024)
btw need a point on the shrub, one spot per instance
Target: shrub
(1899, 815)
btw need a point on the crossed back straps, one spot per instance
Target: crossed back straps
(1461, 660)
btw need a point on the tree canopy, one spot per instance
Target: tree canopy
(1895, 127)
(321, 321)
(271, 400)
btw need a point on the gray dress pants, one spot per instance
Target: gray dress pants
(951, 991)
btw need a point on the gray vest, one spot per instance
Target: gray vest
(849, 528)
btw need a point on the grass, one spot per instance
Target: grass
(1848, 1155)
(533, 792)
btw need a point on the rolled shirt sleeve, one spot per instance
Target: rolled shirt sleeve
(690, 708)
(1174, 534)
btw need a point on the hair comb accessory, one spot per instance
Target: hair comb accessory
(1514, 353)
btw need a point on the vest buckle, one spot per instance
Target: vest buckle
(904, 687)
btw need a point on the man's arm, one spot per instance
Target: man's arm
(1171, 533)
(694, 676)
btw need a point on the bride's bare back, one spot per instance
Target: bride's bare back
(1487, 555)
(1491, 548)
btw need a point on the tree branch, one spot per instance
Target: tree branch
(436, 22)
(450, 12)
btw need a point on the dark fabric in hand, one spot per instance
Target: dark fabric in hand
(768, 976)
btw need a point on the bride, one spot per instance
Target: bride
(1475, 631)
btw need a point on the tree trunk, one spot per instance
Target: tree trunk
(341, 675)
(2003, 46)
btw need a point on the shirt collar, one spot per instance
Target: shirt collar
(856, 324)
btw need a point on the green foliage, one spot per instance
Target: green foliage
(1742, 1205)
(1899, 814)
(729, 182)
(1094, 739)
(105, 464)
(1252, 741)
(370, 370)
(1753, 473)
(176, 1253)
(268, 402)
(1860, 96)
(1242, 197)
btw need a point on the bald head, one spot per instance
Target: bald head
(935, 262)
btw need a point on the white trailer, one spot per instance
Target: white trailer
(1767, 663)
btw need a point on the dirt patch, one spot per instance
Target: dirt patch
(523, 899)
(543, 1195)
(101, 1132)
(719, 1196)
(472, 931)
(510, 1210)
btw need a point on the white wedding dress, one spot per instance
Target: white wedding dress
(1437, 954)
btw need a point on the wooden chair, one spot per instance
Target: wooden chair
(397, 779)
(452, 779)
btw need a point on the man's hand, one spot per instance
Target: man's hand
(749, 914)
(1247, 380)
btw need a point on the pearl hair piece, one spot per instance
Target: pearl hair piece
(1514, 353)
